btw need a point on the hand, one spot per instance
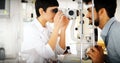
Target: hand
(65, 22)
(57, 17)
(96, 54)
(60, 20)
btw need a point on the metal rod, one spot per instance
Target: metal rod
(93, 25)
(81, 34)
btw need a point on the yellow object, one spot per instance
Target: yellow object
(101, 43)
(5, 12)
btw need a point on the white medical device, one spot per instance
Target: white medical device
(84, 42)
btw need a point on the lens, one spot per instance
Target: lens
(71, 12)
(55, 10)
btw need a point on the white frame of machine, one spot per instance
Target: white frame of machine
(81, 40)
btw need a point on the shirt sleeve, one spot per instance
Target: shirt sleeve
(33, 42)
(58, 49)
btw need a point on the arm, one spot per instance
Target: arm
(60, 22)
(53, 38)
(62, 39)
(63, 31)
(60, 47)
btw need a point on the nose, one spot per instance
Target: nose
(88, 15)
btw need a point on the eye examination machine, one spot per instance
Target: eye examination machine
(83, 34)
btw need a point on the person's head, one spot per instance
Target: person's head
(46, 9)
(102, 9)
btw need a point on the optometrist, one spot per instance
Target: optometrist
(39, 43)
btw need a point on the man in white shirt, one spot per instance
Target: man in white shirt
(39, 43)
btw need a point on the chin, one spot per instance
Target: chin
(90, 22)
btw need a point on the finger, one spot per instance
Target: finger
(99, 47)
(58, 13)
(95, 49)
(92, 56)
(61, 17)
(64, 20)
(91, 52)
(57, 16)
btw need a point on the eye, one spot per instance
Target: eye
(55, 10)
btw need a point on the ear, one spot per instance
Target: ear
(102, 12)
(41, 11)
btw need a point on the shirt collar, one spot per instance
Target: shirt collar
(106, 28)
(39, 25)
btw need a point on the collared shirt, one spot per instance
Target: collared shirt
(35, 47)
(111, 37)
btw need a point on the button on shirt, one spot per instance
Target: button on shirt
(35, 47)
(111, 37)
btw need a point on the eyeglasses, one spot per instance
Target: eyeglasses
(55, 10)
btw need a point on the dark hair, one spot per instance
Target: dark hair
(109, 5)
(44, 4)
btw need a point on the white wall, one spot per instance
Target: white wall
(117, 15)
(11, 30)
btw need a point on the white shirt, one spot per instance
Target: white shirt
(35, 47)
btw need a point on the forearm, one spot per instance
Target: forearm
(62, 39)
(53, 38)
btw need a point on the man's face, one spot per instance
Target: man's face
(50, 13)
(96, 17)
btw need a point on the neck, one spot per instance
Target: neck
(42, 21)
(103, 22)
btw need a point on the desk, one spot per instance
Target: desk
(71, 58)
(12, 60)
